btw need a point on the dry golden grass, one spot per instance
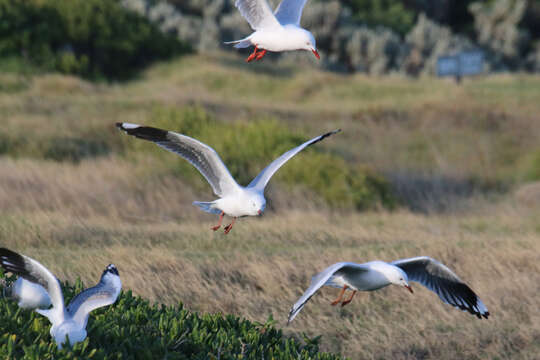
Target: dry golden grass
(76, 218)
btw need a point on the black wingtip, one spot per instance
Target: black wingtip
(323, 136)
(12, 262)
(143, 132)
(331, 133)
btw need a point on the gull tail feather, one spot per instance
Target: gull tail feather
(50, 314)
(240, 44)
(207, 206)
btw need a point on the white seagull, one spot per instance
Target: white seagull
(70, 321)
(28, 295)
(378, 274)
(234, 200)
(279, 31)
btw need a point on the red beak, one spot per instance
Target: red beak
(409, 288)
(316, 54)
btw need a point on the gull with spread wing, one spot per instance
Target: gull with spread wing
(378, 274)
(278, 31)
(68, 324)
(234, 200)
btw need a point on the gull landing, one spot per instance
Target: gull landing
(234, 200)
(274, 31)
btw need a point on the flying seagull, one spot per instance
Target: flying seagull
(70, 321)
(378, 274)
(278, 31)
(28, 295)
(234, 200)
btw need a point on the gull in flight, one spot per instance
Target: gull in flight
(234, 200)
(278, 31)
(378, 274)
(67, 322)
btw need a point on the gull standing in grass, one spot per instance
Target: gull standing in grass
(234, 200)
(68, 324)
(378, 274)
(279, 31)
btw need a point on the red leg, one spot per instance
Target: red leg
(340, 296)
(253, 54)
(229, 227)
(219, 222)
(349, 299)
(260, 55)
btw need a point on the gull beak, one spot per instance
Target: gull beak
(316, 54)
(259, 212)
(409, 288)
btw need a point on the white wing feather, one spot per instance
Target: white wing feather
(441, 280)
(318, 281)
(104, 293)
(264, 176)
(203, 157)
(290, 11)
(34, 272)
(257, 13)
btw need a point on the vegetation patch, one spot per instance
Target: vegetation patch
(92, 38)
(135, 329)
(247, 147)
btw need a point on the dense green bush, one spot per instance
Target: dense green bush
(92, 38)
(389, 13)
(247, 147)
(135, 329)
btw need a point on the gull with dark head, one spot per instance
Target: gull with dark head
(278, 31)
(234, 200)
(378, 274)
(68, 324)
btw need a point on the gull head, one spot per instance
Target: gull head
(308, 43)
(397, 276)
(257, 204)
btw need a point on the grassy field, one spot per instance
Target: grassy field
(460, 160)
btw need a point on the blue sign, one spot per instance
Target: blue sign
(447, 66)
(471, 62)
(462, 64)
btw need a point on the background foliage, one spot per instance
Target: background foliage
(92, 38)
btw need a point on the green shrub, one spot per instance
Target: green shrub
(72, 149)
(247, 147)
(92, 38)
(133, 328)
(531, 170)
(389, 13)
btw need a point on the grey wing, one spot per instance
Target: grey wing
(104, 293)
(290, 11)
(257, 13)
(200, 155)
(33, 271)
(319, 280)
(441, 280)
(264, 176)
